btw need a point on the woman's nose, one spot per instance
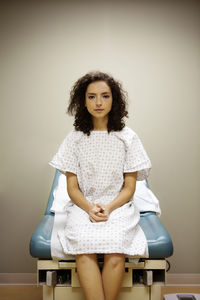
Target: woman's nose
(98, 101)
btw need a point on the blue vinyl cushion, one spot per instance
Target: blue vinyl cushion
(158, 239)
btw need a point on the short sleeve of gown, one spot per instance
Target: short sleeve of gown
(65, 160)
(136, 157)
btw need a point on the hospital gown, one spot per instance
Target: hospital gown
(100, 161)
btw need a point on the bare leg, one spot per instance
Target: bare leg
(90, 276)
(113, 274)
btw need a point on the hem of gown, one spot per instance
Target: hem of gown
(73, 256)
(144, 253)
(112, 251)
(136, 254)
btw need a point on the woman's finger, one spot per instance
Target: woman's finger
(92, 219)
(99, 219)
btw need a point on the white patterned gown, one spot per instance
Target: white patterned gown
(100, 161)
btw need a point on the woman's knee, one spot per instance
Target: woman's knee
(84, 259)
(114, 260)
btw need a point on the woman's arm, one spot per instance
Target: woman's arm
(123, 197)
(78, 198)
(126, 193)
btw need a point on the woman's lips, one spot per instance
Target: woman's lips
(99, 109)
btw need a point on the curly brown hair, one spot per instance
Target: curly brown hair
(77, 108)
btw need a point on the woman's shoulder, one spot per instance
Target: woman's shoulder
(126, 134)
(73, 136)
(127, 131)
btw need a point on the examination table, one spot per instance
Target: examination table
(143, 276)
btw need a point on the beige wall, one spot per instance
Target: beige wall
(154, 50)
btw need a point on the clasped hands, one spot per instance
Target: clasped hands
(99, 213)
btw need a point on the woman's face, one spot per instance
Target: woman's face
(98, 99)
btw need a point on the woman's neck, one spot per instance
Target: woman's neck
(99, 124)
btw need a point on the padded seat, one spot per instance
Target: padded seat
(158, 239)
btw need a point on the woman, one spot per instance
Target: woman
(102, 159)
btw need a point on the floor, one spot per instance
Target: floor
(27, 292)
(18, 292)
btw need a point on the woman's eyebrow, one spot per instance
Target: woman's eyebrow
(89, 93)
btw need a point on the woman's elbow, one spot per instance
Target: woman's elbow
(132, 191)
(71, 190)
(72, 184)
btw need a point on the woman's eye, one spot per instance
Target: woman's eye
(106, 96)
(91, 97)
